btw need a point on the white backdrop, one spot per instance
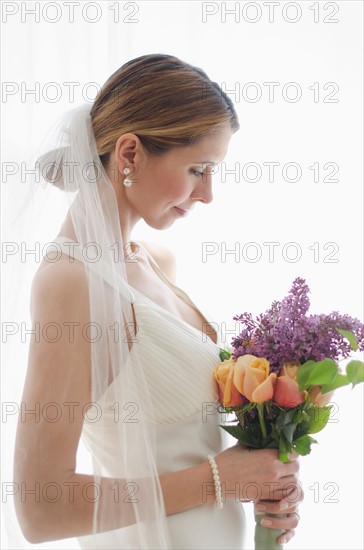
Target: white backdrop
(294, 72)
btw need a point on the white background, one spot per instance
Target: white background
(311, 130)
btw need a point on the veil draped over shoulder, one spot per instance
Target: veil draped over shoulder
(69, 174)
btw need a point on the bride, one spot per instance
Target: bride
(124, 359)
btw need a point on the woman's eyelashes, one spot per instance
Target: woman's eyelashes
(197, 173)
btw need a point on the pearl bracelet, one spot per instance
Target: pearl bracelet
(217, 482)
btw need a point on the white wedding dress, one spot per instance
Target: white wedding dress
(180, 361)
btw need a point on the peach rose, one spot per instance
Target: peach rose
(319, 399)
(224, 375)
(286, 393)
(253, 379)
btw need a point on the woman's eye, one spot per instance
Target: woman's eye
(197, 173)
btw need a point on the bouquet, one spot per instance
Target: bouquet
(280, 374)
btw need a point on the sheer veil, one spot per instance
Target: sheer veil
(69, 176)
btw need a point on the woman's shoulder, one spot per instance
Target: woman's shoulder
(62, 282)
(164, 257)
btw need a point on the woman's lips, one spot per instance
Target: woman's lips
(180, 211)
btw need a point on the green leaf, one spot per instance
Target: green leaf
(285, 447)
(242, 436)
(350, 337)
(300, 417)
(224, 354)
(288, 432)
(303, 373)
(283, 456)
(338, 381)
(302, 445)
(318, 418)
(323, 372)
(355, 372)
(284, 418)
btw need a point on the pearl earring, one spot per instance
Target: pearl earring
(127, 181)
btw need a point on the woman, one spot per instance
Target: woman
(134, 376)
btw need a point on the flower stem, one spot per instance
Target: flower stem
(260, 407)
(265, 538)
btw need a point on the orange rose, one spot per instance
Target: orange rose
(224, 375)
(253, 379)
(319, 399)
(286, 393)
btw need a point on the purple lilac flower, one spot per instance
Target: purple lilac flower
(285, 333)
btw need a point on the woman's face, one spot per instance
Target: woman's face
(163, 187)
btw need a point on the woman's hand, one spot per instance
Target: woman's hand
(257, 475)
(287, 506)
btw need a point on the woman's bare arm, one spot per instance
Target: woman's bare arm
(58, 372)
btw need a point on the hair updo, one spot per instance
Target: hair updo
(164, 101)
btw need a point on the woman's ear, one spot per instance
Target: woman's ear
(129, 152)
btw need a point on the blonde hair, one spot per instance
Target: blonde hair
(164, 101)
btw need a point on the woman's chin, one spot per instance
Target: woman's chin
(161, 223)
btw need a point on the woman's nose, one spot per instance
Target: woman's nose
(203, 190)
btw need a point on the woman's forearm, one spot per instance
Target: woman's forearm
(188, 488)
(68, 510)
